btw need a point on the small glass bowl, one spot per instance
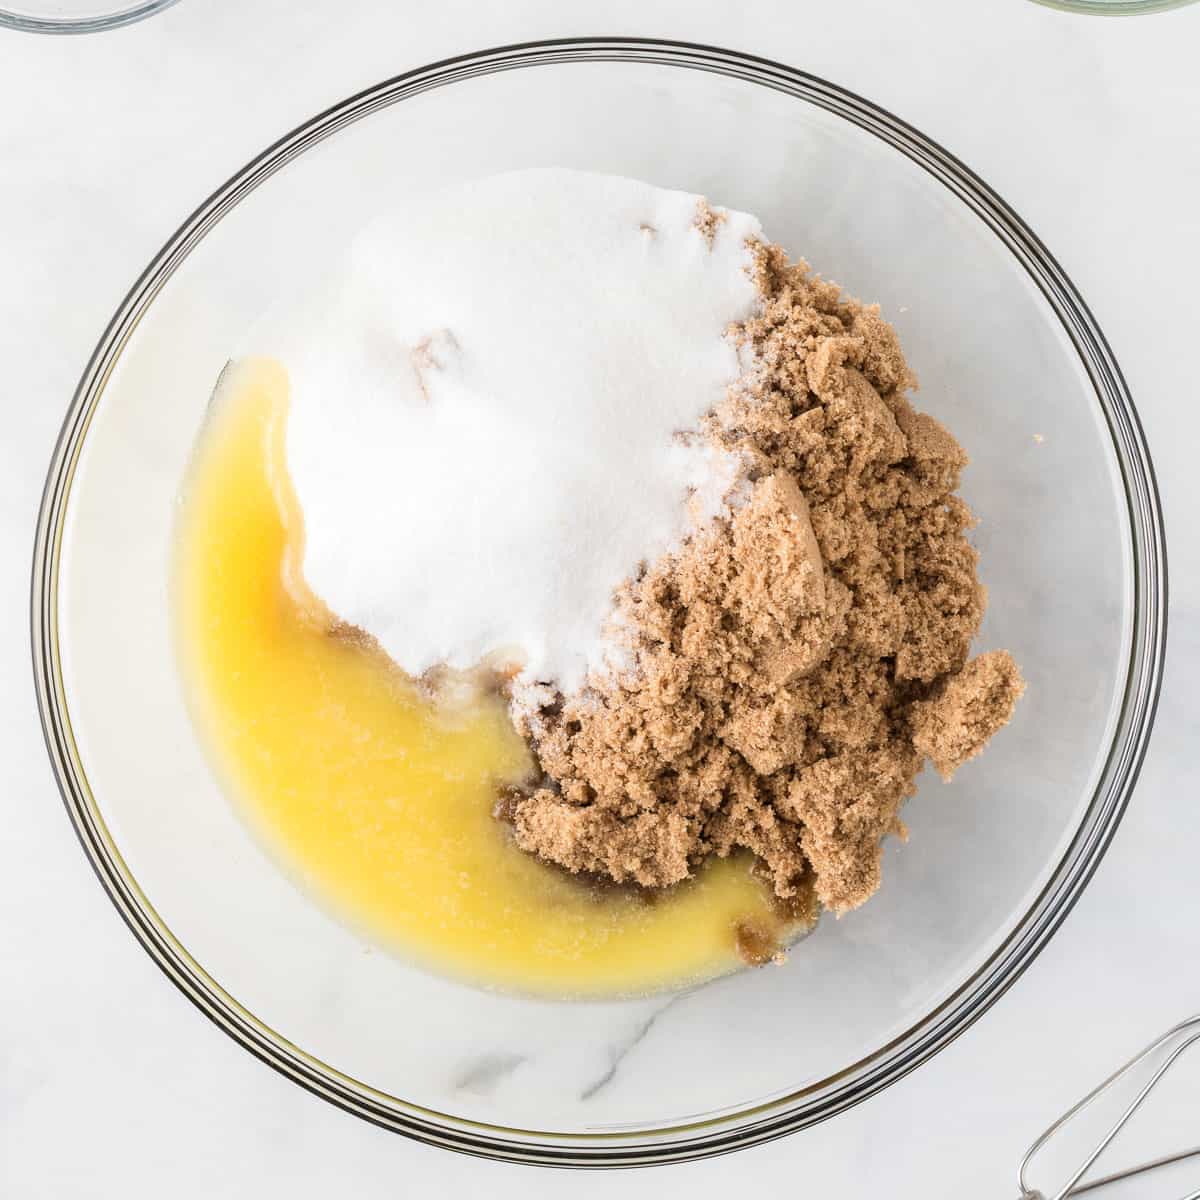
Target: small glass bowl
(1114, 8)
(76, 16)
(1072, 551)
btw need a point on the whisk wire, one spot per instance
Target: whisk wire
(1187, 1033)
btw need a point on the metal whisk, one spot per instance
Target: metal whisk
(1173, 1043)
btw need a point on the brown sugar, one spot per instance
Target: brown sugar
(964, 710)
(793, 664)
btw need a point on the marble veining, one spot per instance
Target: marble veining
(481, 1076)
(620, 1051)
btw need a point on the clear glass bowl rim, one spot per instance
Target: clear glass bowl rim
(1114, 8)
(28, 23)
(858, 1081)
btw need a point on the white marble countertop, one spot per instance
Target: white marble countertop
(110, 1083)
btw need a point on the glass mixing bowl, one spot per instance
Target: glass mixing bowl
(77, 16)
(1070, 534)
(1115, 8)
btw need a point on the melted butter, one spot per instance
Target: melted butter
(373, 799)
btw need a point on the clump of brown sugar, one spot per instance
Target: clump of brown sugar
(793, 664)
(964, 710)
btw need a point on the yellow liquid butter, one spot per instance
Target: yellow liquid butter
(377, 803)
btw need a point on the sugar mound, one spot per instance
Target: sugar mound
(485, 409)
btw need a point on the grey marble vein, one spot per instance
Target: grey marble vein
(619, 1053)
(482, 1075)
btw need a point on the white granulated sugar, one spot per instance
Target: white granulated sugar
(483, 405)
